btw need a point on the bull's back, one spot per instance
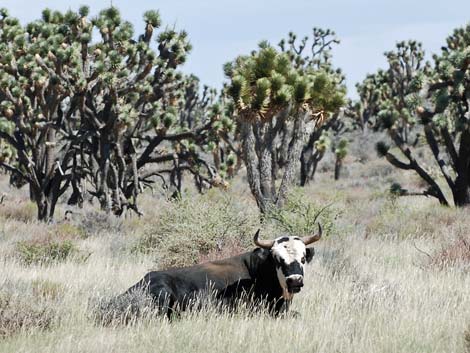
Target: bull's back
(185, 282)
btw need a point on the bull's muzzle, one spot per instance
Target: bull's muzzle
(294, 283)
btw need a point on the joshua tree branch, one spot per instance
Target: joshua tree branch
(15, 170)
(449, 146)
(421, 172)
(397, 163)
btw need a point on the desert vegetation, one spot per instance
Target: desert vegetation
(114, 163)
(392, 273)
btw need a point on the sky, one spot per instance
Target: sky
(219, 30)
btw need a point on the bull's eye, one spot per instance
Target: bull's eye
(303, 259)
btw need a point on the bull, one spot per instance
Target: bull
(269, 275)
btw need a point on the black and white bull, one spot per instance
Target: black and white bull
(271, 274)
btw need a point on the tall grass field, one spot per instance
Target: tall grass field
(390, 274)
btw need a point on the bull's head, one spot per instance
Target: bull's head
(290, 254)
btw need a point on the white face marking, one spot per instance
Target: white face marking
(286, 253)
(290, 251)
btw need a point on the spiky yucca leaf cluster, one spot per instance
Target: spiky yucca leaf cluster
(391, 96)
(394, 95)
(7, 153)
(434, 99)
(58, 82)
(341, 149)
(323, 142)
(382, 148)
(49, 55)
(267, 81)
(45, 57)
(397, 190)
(453, 67)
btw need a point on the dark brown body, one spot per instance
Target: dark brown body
(251, 275)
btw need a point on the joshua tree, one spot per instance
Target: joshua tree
(37, 65)
(105, 111)
(435, 100)
(314, 53)
(194, 105)
(142, 112)
(269, 91)
(364, 111)
(340, 152)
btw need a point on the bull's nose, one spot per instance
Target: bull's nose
(295, 281)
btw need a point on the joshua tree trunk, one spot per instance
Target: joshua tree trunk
(259, 154)
(104, 197)
(461, 189)
(293, 158)
(46, 206)
(308, 163)
(252, 166)
(338, 165)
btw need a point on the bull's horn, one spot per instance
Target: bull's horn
(265, 244)
(313, 238)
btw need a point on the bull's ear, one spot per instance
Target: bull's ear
(309, 254)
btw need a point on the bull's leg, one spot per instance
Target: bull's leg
(161, 294)
(164, 300)
(280, 307)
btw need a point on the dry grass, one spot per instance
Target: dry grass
(26, 308)
(20, 210)
(368, 289)
(467, 340)
(456, 253)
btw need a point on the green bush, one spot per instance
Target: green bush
(190, 228)
(69, 230)
(50, 251)
(94, 223)
(300, 216)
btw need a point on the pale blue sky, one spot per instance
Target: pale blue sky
(220, 30)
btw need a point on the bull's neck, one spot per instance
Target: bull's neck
(263, 270)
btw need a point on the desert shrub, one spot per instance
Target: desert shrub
(326, 165)
(45, 252)
(69, 231)
(393, 220)
(21, 310)
(467, 339)
(223, 250)
(377, 169)
(300, 216)
(402, 218)
(455, 253)
(363, 146)
(19, 211)
(93, 222)
(337, 263)
(387, 222)
(46, 289)
(189, 229)
(122, 309)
